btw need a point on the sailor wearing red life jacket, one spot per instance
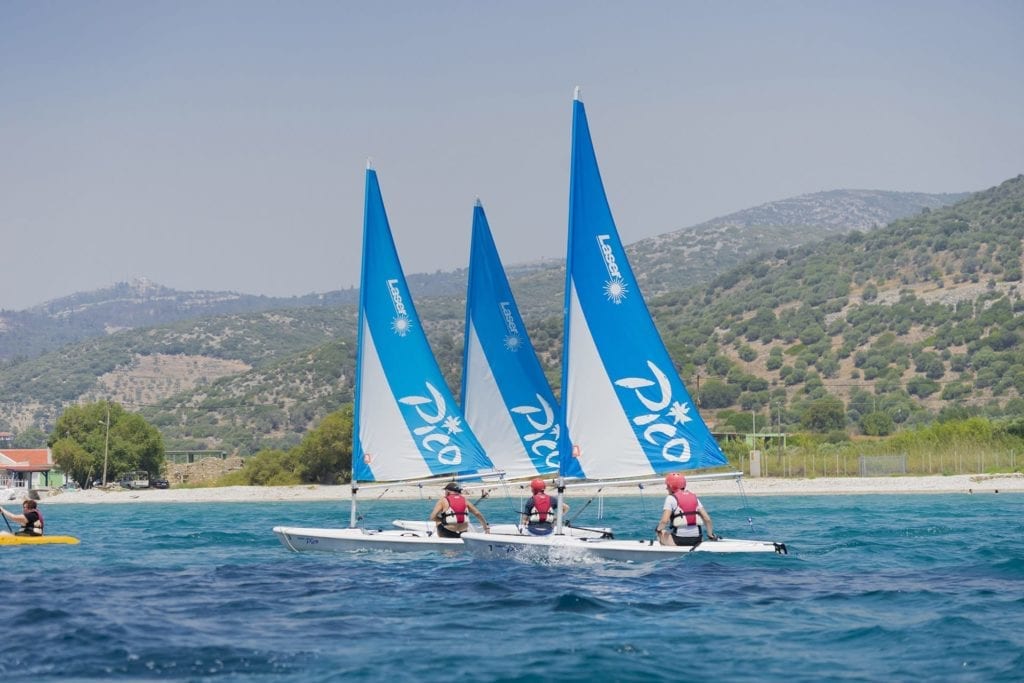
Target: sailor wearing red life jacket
(678, 523)
(539, 512)
(451, 514)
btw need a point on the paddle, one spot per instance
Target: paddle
(7, 522)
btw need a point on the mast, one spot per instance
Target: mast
(357, 384)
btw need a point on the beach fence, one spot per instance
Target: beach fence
(841, 462)
(882, 465)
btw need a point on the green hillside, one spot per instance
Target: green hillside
(907, 321)
(863, 331)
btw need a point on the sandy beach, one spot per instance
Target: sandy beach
(975, 483)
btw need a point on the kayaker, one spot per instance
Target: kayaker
(31, 519)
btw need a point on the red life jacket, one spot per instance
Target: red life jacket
(456, 512)
(541, 508)
(687, 503)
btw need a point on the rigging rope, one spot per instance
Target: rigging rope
(369, 503)
(743, 498)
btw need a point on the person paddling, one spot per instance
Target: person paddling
(31, 520)
(678, 523)
(450, 513)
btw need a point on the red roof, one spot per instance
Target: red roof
(26, 459)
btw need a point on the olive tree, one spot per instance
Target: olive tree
(83, 439)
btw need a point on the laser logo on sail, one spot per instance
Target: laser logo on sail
(615, 288)
(512, 339)
(401, 324)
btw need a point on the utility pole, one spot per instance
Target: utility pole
(106, 446)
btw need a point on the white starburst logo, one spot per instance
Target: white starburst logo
(615, 290)
(453, 424)
(680, 412)
(401, 325)
(513, 343)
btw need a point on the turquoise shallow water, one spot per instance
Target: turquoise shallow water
(877, 588)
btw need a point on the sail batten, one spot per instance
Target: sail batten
(407, 423)
(626, 409)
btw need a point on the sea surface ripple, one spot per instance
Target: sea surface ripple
(876, 587)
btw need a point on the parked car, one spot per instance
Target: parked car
(160, 484)
(139, 479)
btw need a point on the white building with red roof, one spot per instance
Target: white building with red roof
(24, 469)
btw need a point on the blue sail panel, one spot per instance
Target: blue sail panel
(627, 410)
(507, 400)
(408, 424)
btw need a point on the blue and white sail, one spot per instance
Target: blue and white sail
(507, 400)
(407, 423)
(626, 410)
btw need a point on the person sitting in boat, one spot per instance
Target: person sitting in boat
(539, 512)
(450, 513)
(678, 523)
(30, 519)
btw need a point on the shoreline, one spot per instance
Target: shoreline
(766, 486)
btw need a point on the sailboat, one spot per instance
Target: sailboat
(408, 427)
(627, 412)
(506, 398)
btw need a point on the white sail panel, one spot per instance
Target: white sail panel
(488, 415)
(603, 440)
(389, 451)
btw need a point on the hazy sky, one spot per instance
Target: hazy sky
(221, 145)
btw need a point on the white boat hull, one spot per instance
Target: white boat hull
(409, 537)
(561, 548)
(509, 529)
(302, 539)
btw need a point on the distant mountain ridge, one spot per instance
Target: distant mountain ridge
(697, 254)
(131, 305)
(679, 259)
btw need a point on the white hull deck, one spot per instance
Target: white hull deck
(562, 548)
(410, 536)
(510, 529)
(302, 539)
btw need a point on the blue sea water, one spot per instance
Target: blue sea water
(876, 588)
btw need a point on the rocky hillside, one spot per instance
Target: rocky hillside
(696, 255)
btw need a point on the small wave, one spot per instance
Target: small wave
(580, 604)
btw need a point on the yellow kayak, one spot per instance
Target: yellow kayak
(37, 540)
